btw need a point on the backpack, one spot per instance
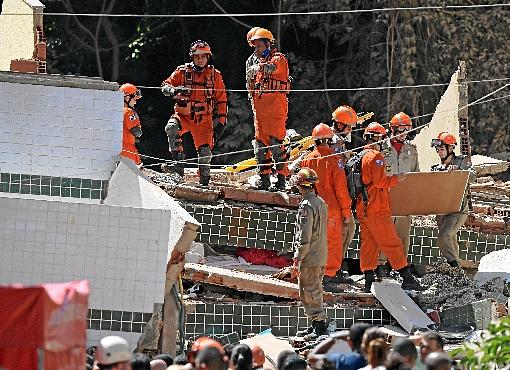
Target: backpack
(354, 181)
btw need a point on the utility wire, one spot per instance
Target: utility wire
(238, 15)
(476, 102)
(353, 88)
(192, 160)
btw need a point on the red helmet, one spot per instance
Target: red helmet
(375, 129)
(202, 343)
(130, 89)
(322, 131)
(250, 34)
(199, 47)
(345, 114)
(444, 138)
(400, 119)
(305, 177)
(259, 357)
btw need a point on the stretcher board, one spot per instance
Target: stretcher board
(429, 193)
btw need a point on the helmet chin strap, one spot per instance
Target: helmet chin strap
(450, 153)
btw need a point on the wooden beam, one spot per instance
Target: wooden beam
(261, 197)
(247, 282)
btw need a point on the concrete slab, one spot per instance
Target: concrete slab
(492, 265)
(401, 307)
(260, 284)
(271, 346)
(130, 187)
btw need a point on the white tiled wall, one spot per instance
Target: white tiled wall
(94, 336)
(59, 131)
(122, 251)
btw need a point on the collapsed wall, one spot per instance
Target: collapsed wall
(60, 137)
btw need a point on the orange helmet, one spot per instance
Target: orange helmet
(130, 89)
(202, 343)
(374, 129)
(322, 131)
(345, 114)
(250, 34)
(400, 119)
(262, 33)
(199, 47)
(444, 138)
(305, 177)
(259, 357)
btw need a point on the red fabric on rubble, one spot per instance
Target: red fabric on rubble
(263, 257)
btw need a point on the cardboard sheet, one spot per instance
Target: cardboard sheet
(429, 193)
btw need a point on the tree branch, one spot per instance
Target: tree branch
(233, 18)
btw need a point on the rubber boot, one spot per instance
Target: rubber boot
(280, 184)
(383, 271)
(204, 180)
(409, 281)
(369, 279)
(307, 331)
(264, 182)
(176, 167)
(319, 328)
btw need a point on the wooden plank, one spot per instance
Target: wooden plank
(260, 284)
(261, 197)
(195, 193)
(429, 193)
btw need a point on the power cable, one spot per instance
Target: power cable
(192, 160)
(308, 13)
(351, 89)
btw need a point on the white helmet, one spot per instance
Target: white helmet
(111, 350)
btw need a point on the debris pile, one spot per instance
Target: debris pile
(451, 287)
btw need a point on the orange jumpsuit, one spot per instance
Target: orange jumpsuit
(129, 150)
(195, 110)
(377, 229)
(332, 187)
(270, 109)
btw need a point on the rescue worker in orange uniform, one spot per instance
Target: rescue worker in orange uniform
(200, 108)
(332, 187)
(377, 229)
(400, 156)
(269, 88)
(132, 128)
(344, 118)
(450, 224)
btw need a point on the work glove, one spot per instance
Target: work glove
(219, 128)
(169, 90)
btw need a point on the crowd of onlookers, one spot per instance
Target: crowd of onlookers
(369, 350)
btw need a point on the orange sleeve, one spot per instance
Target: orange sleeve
(378, 171)
(220, 97)
(282, 67)
(131, 119)
(175, 79)
(340, 185)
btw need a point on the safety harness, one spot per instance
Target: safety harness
(194, 108)
(268, 84)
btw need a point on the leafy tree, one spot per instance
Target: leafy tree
(350, 50)
(493, 349)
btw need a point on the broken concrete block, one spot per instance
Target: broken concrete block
(476, 314)
(492, 265)
(271, 346)
(401, 307)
